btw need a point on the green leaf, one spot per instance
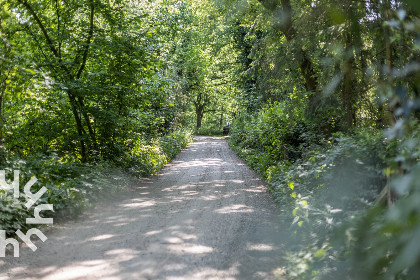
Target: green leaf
(30, 71)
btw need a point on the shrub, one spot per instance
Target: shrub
(73, 186)
(320, 191)
(149, 156)
(387, 244)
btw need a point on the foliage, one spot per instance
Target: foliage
(322, 98)
(149, 156)
(276, 133)
(73, 186)
(89, 86)
(345, 183)
(83, 94)
(329, 185)
(201, 62)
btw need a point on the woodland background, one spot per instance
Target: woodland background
(321, 97)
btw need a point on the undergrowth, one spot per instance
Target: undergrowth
(73, 186)
(327, 190)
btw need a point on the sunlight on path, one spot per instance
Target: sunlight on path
(205, 216)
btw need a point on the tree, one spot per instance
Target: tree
(91, 53)
(196, 63)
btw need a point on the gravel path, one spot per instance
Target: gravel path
(205, 216)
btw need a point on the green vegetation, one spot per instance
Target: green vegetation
(329, 117)
(84, 100)
(321, 98)
(73, 186)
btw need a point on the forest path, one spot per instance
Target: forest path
(205, 216)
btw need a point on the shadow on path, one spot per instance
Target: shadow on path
(205, 216)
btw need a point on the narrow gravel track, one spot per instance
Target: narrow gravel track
(205, 216)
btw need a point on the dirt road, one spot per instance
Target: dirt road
(205, 216)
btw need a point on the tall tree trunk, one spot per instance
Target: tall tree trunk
(305, 63)
(386, 116)
(2, 93)
(3, 84)
(81, 69)
(353, 46)
(347, 93)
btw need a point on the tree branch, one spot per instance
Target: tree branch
(42, 27)
(208, 111)
(46, 36)
(88, 40)
(57, 9)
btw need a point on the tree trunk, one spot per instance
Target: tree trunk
(88, 124)
(79, 126)
(199, 111)
(347, 93)
(221, 119)
(305, 63)
(386, 116)
(353, 47)
(3, 85)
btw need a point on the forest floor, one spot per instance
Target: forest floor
(206, 215)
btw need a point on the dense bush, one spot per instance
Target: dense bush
(149, 156)
(72, 186)
(387, 244)
(323, 192)
(272, 135)
(320, 191)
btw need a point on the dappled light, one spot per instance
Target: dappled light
(178, 224)
(236, 208)
(320, 98)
